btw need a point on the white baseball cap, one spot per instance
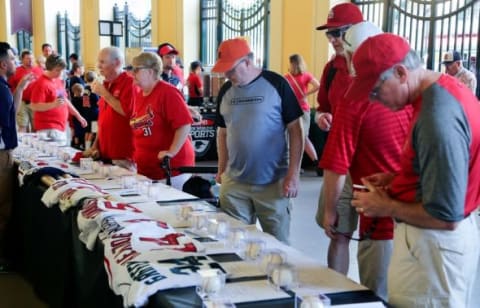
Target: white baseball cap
(358, 33)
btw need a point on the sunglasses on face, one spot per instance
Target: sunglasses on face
(337, 32)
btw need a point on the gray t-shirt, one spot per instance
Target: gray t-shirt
(255, 117)
(441, 139)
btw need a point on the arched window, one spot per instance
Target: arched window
(225, 19)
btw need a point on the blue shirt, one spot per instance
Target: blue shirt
(8, 133)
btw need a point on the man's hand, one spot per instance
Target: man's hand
(374, 203)
(329, 221)
(99, 89)
(25, 81)
(324, 120)
(290, 185)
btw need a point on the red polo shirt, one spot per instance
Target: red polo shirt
(114, 133)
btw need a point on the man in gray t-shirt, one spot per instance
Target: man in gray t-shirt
(259, 141)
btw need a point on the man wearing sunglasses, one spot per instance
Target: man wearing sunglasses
(365, 138)
(333, 84)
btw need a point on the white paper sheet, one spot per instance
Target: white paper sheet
(250, 291)
(242, 269)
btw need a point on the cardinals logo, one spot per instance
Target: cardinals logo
(145, 120)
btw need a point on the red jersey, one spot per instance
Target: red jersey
(47, 90)
(328, 100)
(194, 83)
(19, 73)
(366, 138)
(156, 118)
(114, 134)
(299, 84)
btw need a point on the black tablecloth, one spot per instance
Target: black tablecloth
(63, 273)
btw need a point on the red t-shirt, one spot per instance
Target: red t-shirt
(299, 84)
(366, 138)
(19, 73)
(46, 90)
(328, 100)
(194, 83)
(114, 134)
(154, 122)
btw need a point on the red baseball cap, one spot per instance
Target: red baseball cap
(229, 52)
(373, 57)
(341, 15)
(166, 49)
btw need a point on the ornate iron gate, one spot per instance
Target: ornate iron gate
(225, 19)
(432, 27)
(24, 40)
(68, 37)
(136, 32)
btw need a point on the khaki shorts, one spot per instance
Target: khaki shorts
(24, 116)
(248, 202)
(373, 258)
(434, 268)
(347, 216)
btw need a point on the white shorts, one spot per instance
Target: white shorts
(433, 268)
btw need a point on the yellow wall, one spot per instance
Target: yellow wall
(4, 27)
(292, 29)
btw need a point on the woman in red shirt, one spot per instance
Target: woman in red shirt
(160, 121)
(299, 79)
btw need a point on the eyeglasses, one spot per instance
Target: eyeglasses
(232, 70)
(375, 93)
(337, 32)
(136, 69)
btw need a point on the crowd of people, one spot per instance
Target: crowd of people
(401, 161)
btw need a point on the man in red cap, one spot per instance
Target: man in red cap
(171, 72)
(258, 166)
(433, 195)
(333, 84)
(357, 147)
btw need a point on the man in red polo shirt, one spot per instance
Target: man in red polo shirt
(25, 114)
(365, 138)
(432, 196)
(114, 138)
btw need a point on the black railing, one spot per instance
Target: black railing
(136, 32)
(431, 27)
(223, 19)
(68, 37)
